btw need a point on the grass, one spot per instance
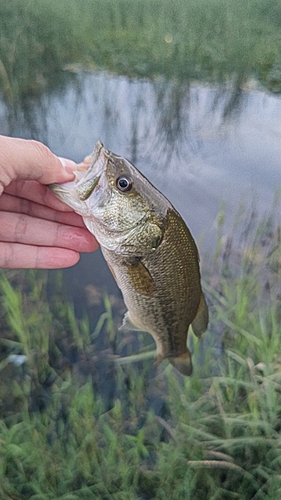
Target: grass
(76, 420)
(206, 40)
(158, 436)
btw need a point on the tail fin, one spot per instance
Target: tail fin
(183, 363)
(200, 322)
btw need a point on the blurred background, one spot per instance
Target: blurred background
(189, 91)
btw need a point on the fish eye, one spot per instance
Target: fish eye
(124, 183)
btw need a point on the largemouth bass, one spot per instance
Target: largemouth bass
(148, 248)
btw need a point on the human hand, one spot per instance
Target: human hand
(36, 229)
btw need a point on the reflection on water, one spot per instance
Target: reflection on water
(200, 145)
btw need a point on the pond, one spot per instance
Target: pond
(207, 148)
(189, 91)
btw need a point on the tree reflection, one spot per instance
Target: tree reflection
(183, 42)
(161, 120)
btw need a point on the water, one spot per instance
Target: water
(206, 148)
(203, 146)
(191, 144)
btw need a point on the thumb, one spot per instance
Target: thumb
(31, 160)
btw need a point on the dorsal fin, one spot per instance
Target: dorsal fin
(200, 322)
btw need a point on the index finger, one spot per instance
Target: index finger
(34, 191)
(32, 160)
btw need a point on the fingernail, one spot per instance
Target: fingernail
(68, 165)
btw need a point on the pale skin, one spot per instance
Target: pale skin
(36, 229)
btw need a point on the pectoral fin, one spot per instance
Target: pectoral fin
(138, 275)
(140, 278)
(200, 322)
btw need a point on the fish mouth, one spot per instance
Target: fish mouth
(87, 178)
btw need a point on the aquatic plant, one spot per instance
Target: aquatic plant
(156, 435)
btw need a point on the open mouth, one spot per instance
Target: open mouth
(85, 190)
(89, 179)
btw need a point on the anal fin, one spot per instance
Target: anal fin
(128, 325)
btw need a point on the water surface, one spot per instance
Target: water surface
(203, 146)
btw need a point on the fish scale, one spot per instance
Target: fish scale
(149, 250)
(177, 290)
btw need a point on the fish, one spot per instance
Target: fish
(148, 248)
